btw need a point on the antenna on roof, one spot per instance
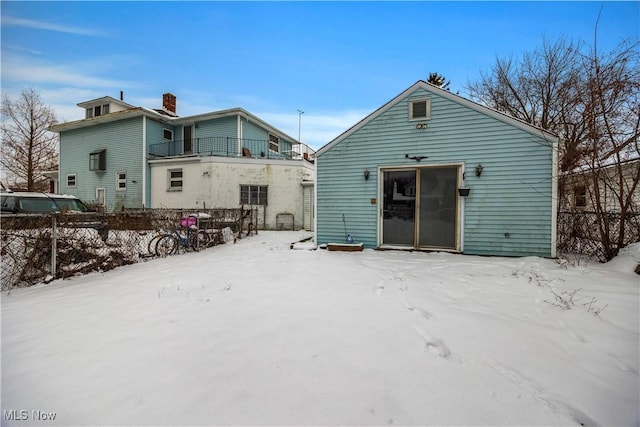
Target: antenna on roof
(121, 96)
(300, 113)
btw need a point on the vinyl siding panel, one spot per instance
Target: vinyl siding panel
(123, 143)
(225, 126)
(509, 208)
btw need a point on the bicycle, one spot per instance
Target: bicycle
(168, 243)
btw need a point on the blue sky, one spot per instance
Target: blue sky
(336, 61)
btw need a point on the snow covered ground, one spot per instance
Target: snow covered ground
(255, 333)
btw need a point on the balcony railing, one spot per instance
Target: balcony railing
(226, 147)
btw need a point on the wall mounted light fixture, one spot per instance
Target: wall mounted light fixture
(366, 174)
(479, 169)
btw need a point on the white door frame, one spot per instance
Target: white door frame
(460, 202)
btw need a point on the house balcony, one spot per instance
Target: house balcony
(229, 147)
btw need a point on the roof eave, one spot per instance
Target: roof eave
(107, 118)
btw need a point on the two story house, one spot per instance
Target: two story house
(123, 156)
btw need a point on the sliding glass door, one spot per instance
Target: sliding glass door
(420, 207)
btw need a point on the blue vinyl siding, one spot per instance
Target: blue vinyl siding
(253, 131)
(123, 143)
(513, 195)
(224, 126)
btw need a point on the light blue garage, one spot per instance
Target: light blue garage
(431, 170)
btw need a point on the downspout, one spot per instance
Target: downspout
(144, 161)
(554, 199)
(239, 133)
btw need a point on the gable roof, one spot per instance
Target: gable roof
(421, 84)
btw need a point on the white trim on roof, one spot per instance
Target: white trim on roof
(104, 100)
(421, 84)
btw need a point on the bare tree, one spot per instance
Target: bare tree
(539, 89)
(609, 100)
(28, 148)
(592, 101)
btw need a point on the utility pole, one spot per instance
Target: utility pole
(300, 113)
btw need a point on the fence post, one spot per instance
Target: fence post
(54, 246)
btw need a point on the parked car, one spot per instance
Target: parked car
(12, 203)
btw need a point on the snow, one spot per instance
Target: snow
(255, 333)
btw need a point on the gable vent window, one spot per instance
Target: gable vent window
(420, 109)
(98, 160)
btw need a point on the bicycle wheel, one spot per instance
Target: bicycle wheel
(166, 245)
(151, 246)
(204, 239)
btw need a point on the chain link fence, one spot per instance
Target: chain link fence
(579, 233)
(40, 248)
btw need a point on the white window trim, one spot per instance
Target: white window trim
(75, 180)
(167, 130)
(170, 180)
(428, 107)
(118, 180)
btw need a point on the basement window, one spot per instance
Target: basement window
(420, 109)
(98, 160)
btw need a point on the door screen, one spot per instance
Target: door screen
(399, 206)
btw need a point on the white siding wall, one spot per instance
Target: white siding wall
(214, 182)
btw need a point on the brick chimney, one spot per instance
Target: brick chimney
(169, 102)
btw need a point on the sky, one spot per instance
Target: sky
(334, 61)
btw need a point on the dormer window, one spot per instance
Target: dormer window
(420, 109)
(98, 110)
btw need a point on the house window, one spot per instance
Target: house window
(121, 181)
(580, 196)
(274, 143)
(420, 109)
(71, 180)
(98, 110)
(175, 179)
(98, 160)
(253, 194)
(167, 134)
